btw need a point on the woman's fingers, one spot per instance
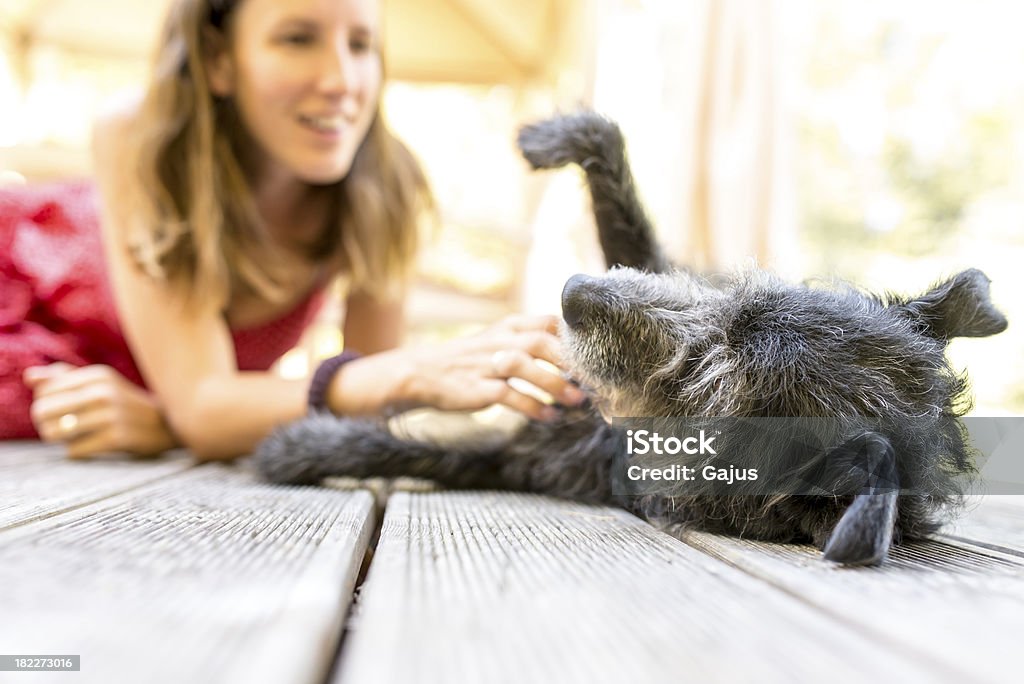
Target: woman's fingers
(75, 378)
(545, 347)
(34, 375)
(72, 403)
(503, 393)
(55, 416)
(511, 363)
(74, 423)
(95, 410)
(517, 356)
(475, 372)
(540, 345)
(54, 405)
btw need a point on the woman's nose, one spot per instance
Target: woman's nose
(336, 67)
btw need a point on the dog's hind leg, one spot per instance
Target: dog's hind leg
(864, 533)
(319, 446)
(596, 144)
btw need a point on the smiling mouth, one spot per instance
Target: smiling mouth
(323, 124)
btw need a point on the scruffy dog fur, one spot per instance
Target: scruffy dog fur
(648, 339)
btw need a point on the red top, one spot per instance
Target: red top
(56, 303)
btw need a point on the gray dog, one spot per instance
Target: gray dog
(647, 339)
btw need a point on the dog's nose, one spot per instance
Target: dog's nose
(576, 300)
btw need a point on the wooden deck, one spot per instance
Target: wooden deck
(167, 571)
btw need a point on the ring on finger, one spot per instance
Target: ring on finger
(499, 363)
(67, 423)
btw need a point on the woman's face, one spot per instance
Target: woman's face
(305, 76)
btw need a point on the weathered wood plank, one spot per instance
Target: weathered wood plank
(208, 576)
(501, 587)
(991, 522)
(17, 453)
(37, 481)
(959, 607)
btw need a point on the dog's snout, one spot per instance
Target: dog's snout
(576, 300)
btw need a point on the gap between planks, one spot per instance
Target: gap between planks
(504, 587)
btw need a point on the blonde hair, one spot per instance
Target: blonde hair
(198, 227)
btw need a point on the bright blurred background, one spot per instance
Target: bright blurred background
(879, 142)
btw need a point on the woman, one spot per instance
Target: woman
(255, 169)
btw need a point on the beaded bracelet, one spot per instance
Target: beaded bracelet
(325, 372)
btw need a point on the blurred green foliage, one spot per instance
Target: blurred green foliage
(908, 133)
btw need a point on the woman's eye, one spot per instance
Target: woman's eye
(359, 46)
(297, 39)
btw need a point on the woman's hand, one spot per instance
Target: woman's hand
(94, 410)
(473, 372)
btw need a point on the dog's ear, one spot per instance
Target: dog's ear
(959, 307)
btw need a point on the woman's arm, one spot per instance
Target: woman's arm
(463, 374)
(372, 325)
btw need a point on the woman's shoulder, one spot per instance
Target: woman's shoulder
(112, 161)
